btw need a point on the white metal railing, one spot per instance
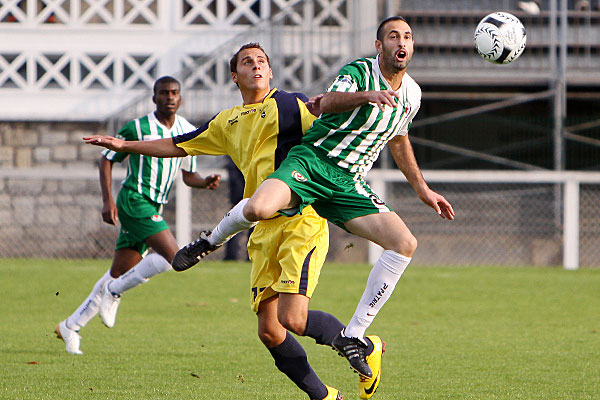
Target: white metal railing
(570, 205)
(84, 59)
(503, 217)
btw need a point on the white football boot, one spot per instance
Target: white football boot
(109, 304)
(69, 336)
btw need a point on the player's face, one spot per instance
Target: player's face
(253, 70)
(167, 98)
(396, 48)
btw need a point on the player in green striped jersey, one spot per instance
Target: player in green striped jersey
(139, 209)
(370, 104)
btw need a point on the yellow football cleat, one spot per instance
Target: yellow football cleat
(333, 394)
(368, 386)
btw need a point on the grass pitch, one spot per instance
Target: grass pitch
(452, 333)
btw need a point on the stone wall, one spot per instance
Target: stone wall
(56, 217)
(47, 144)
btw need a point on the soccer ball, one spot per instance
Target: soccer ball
(500, 38)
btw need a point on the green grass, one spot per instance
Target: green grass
(452, 333)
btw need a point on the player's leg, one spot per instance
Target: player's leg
(132, 275)
(289, 355)
(294, 315)
(264, 248)
(301, 253)
(271, 196)
(124, 260)
(390, 232)
(355, 207)
(68, 330)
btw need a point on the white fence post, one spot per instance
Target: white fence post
(571, 225)
(374, 250)
(183, 214)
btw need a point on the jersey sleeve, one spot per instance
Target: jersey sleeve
(127, 132)
(189, 164)
(209, 139)
(349, 79)
(306, 118)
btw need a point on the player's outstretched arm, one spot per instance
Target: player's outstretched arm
(339, 102)
(404, 156)
(155, 148)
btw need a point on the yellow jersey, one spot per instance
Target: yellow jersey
(257, 136)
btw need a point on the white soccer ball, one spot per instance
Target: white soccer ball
(500, 38)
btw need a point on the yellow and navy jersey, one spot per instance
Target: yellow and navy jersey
(257, 136)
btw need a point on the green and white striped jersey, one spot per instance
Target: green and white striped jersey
(152, 176)
(354, 139)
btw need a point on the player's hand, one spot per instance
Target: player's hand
(314, 105)
(212, 181)
(109, 213)
(111, 143)
(382, 98)
(441, 206)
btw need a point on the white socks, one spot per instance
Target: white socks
(89, 308)
(381, 283)
(232, 223)
(150, 265)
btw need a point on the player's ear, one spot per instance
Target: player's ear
(234, 77)
(378, 46)
(154, 99)
(270, 73)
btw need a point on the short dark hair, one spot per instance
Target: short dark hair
(234, 60)
(385, 21)
(164, 79)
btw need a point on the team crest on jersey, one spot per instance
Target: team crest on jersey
(376, 200)
(156, 218)
(298, 176)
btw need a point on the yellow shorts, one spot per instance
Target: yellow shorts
(287, 254)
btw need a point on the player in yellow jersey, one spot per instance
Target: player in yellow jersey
(286, 253)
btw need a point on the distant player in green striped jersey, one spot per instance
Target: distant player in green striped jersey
(139, 209)
(370, 104)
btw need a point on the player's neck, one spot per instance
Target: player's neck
(166, 119)
(393, 77)
(254, 96)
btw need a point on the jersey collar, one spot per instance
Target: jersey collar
(267, 97)
(152, 118)
(382, 78)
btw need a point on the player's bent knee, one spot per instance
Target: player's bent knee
(412, 244)
(293, 324)
(256, 211)
(270, 339)
(407, 246)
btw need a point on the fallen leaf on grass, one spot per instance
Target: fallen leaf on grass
(34, 363)
(196, 304)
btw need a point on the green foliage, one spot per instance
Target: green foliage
(451, 333)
